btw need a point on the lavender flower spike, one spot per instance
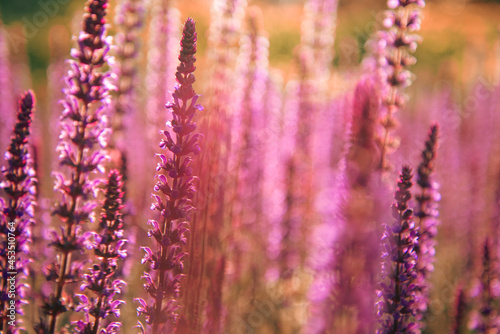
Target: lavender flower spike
(108, 250)
(84, 127)
(396, 307)
(16, 216)
(427, 214)
(175, 186)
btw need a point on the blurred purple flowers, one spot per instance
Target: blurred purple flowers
(176, 188)
(486, 317)
(274, 224)
(394, 48)
(16, 215)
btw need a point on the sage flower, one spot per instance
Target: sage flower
(426, 214)
(393, 49)
(16, 216)
(397, 305)
(173, 195)
(108, 245)
(84, 129)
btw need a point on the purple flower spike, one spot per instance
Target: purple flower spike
(427, 217)
(16, 218)
(83, 123)
(176, 188)
(393, 49)
(398, 301)
(108, 249)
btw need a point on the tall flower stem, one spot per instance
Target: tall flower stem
(427, 216)
(398, 300)
(83, 127)
(108, 250)
(395, 47)
(177, 188)
(17, 212)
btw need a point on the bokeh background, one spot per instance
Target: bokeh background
(460, 49)
(461, 37)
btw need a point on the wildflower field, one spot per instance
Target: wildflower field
(235, 166)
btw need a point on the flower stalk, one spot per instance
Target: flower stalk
(84, 128)
(108, 249)
(16, 216)
(174, 191)
(396, 308)
(395, 46)
(426, 214)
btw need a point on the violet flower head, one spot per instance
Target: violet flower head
(398, 300)
(173, 195)
(393, 49)
(426, 167)
(427, 215)
(16, 216)
(108, 249)
(84, 128)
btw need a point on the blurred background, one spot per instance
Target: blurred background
(461, 38)
(460, 49)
